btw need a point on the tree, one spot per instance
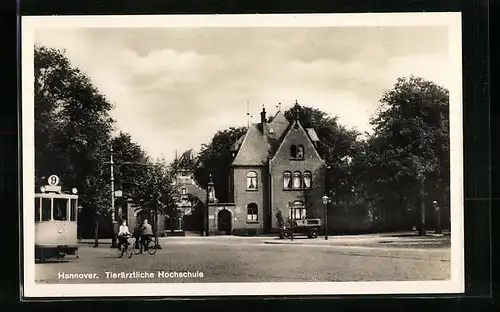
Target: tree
(410, 144)
(130, 160)
(72, 129)
(156, 194)
(215, 158)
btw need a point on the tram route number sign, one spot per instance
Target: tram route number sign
(53, 180)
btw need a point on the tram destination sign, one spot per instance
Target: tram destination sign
(53, 180)
(52, 185)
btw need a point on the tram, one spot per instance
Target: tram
(56, 213)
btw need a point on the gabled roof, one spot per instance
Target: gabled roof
(186, 161)
(254, 150)
(312, 134)
(236, 145)
(307, 133)
(279, 124)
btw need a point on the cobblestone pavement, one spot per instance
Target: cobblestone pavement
(252, 260)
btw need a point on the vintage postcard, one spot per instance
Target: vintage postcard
(214, 155)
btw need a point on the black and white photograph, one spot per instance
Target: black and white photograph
(306, 154)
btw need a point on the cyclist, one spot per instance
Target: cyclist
(123, 234)
(147, 234)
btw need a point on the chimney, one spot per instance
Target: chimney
(263, 116)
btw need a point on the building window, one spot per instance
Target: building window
(287, 179)
(252, 180)
(293, 151)
(252, 214)
(297, 152)
(300, 152)
(297, 180)
(184, 193)
(307, 179)
(298, 210)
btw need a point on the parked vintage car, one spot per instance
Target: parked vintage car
(306, 227)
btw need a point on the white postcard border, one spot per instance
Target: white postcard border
(454, 285)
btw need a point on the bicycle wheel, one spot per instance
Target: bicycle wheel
(152, 247)
(121, 251)
(137, 246)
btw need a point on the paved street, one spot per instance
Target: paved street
(258, 259)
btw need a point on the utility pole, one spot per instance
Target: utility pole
(113, 213)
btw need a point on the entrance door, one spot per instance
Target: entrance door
(224, 221)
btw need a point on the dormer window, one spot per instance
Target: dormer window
(271, 131)
(300, 152)
(297, 152)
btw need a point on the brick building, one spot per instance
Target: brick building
(276, 167)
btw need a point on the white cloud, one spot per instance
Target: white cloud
(170, 98)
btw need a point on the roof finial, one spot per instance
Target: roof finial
(176, 154)
(297, 111)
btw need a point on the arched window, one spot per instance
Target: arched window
(297, 180)
(252, 180)
(287, 179)
(293, 151)
(298, 210)
(307, 179)
(252, 212)
(300, 152)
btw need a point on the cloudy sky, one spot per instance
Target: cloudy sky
(173, 88)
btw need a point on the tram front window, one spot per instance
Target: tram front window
(60, 209)
(37, 209)
(46, 208)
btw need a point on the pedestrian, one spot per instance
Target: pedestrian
(437, 211)
(147, 233)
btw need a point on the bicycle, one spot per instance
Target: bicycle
(151, 246)
(124, 248)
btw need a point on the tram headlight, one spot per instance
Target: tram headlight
(42, 189)
(74, 190)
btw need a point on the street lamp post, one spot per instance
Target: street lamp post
(210, 189)
(326, 199)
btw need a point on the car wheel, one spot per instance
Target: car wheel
(314, 233)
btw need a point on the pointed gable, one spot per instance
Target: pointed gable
(296, 134)
(186, 161)
(254, 150)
